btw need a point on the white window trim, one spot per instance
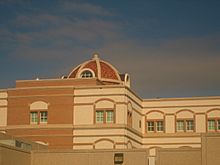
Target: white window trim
(43, 122)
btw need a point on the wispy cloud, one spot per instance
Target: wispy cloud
(169, 65)
(85, 8)
(172, 66)
(38, 34)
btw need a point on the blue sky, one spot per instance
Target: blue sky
(169, 48)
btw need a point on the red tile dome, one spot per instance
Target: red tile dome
(96, 68)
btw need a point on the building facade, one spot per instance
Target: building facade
(95, 108)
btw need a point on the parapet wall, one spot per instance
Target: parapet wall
(13, 156)
(90, 157)
(208, 154)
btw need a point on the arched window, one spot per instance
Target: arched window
(213, 120)
(86, 74)
(185, 121)
(104, 111)
(155, 121)
(38, 112)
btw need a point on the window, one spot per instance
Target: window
(159, 126)
(86, 74)
(129, 118)
(214, 124)
(104, 116)
(99, 116)
(185, 125)
(34, 118)
(155, 126)
(38, 117)
(189, 125)
(150, 126)
(211, 125)
(180, 125)
(43, 117)
(109, 116)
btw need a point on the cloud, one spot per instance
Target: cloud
(168, 67)
(174, 66)
(39, 32)
(86, 8)
(69, 35)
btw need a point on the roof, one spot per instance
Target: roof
(99, 69)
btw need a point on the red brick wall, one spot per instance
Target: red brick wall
(60, 111)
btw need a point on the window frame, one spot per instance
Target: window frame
(36, 117)
(42, 112)
(39, 121)
(86, 74)
(188, 126)
(178, 126)
(104, 116)
(100, 117)
(185, 125)
(154, 126)
(112, 116)
(161, 126)
(216, 124)
(80, 74)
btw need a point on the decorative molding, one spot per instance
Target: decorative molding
(178, 143)
(183, 106)
(183, 98)
(43, 126)
(3, 106)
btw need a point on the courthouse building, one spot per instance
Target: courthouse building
(95, 108)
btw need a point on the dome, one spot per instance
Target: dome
(96, 68)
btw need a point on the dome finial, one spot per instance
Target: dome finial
(95, 56)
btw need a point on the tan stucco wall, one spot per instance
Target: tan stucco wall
(200, 123)
(181, 156)
(121, 112)
(83, 115)
(3, 108)
(136, 118)
(3, 117)
(211, 149)
(170, 123)
(88, 157)
(109, 90)
(13, 156)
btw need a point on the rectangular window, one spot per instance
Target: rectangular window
(34, 118)
(155, 126)
(189, 125)
(211, 125)
(184, 125)
(129, 118)
(150, 126)
(109, 116)
(180, 125)
(43, 117)
(159, 126)
(99, 116)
